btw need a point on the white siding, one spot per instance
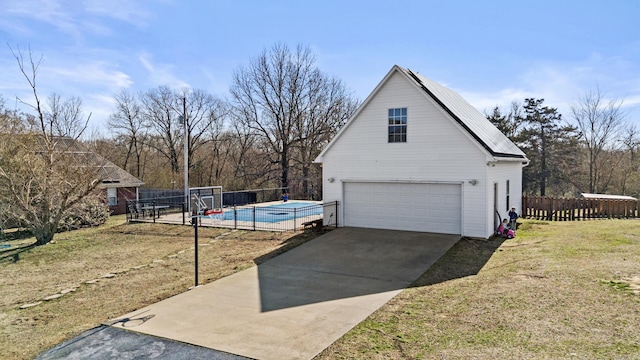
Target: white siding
(500, 173)
(437, 149)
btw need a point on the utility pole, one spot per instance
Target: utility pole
(186, 151)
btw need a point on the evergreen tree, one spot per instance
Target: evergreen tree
(551, 146)
(509, 123)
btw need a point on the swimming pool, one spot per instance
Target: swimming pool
(275, 213)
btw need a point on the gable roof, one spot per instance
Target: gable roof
(468, 117)
(111, 174)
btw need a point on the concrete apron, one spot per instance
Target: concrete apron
(296, 304)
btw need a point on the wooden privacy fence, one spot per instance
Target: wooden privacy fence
(563, 209)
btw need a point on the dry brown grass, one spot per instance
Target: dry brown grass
(558, 290)
(164, 252)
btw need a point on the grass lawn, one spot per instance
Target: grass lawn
(558, 290)
(143, 263)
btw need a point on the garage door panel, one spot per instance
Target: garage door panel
(403, 206)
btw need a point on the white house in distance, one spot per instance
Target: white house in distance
(416, 156)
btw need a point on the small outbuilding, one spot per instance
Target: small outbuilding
(416, 156)
(120, 186)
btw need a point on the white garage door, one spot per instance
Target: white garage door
(404, 206)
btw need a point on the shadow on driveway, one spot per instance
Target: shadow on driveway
(347, 263)
(290, 307)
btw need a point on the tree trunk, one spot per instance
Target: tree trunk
(44, 234)
(284, 163)
(543, 165)
(305, 181)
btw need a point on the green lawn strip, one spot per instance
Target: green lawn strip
(545, 294)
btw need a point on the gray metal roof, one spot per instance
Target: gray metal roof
(467, 116)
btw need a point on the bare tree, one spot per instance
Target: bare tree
(159, 107)
(65, 116)
(217, 151)
(205, 117)
(329, 107)
(243, 151)
(631, 163)
(164, 111)
(127, 121)
(9, 120)
(600, 122)
(42, 175)
(279, 94)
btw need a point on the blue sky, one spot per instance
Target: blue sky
(491, 52)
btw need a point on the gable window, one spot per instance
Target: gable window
(398, 125)
(112, 196)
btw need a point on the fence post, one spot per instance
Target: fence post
(235, 214)
(254, 218)
(183, 210)
(196, 250)
(295, 215)
(153, 211)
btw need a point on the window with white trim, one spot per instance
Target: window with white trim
(397, 125)
(112, 196)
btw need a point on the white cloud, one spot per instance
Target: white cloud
(53, 12)
(100, 106)
(631, 101)
(562, 83)
(72, 17)
(124, 10)
(161, 74)
(94, 81)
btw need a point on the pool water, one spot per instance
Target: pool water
(275, 213)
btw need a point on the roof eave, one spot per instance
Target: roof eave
(453, 115)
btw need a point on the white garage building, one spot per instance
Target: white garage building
(416, 156)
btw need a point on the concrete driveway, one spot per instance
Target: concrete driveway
(296, 304)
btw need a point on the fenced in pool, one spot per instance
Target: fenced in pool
(271, 216)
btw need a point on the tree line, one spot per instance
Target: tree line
(596, 151)
(280, 112)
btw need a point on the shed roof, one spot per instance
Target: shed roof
(607, 196)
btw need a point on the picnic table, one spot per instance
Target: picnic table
(155, 210)
(314, 224)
